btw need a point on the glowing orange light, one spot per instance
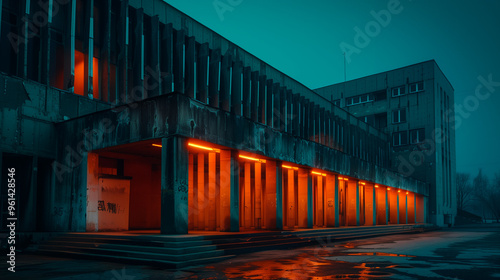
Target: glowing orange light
(341, 178)
(399, 190)
(406, 192)
(362, 183)
(290, 167)
(318, 173)
(204, 147)
(388, 189)
(376, 186)
(156, 145)
(345, 179)
(254, 159)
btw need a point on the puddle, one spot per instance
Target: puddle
(380, 254)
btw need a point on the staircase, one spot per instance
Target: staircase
(189, 250)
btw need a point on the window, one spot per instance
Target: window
(398, 91)
(359, 99)
(400, 138)
(416, 87)
(399, 116)
(417, 135)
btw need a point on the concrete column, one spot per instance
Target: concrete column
(212, 182)
(192, 206)
(258, 196)
(387, 208)
(153, 82)
(406, 210)
(289, 113)
(309, 200)
(189, 64)
(336, 204)
(402, 207)
(213, 78)
(166, 58)
(178, 65)
(273, 208)
(269, 103)
(254, 95)
(202, 196)
(319, 202)
(201, 73)
(357, 203)
(374, 205)
(138, 61)
(174, 185)
(229, 191)
(224, 94)
(247, 198)
(262, 100)
(92, 191)
(246, 92)
(277, 109)
(303, 198)
(294, 119)
(290, 199)
(236, 88)
(330, 200)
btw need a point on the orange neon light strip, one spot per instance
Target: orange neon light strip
(318, 173)
(346, 179)
(399, 190)
(204, 147)
(156, 145)
(376, 186)
(406, 192)
(388, 189)
(254, 159)
(290, 167)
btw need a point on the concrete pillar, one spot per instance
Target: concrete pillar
(358, 203)
(254, 93)
(224, 93)
(237, 70)
(92, 191)
(166, 58)
(330, 209)
(303, 195)
(374, 192)
(258, 196)
(174, 185)
(269, 102)
(201, 73)
(393, 206)
(278, 108)
(189, 64)
(262, 100)
(202, 196)
(319, 202)
(229, 191)
(213, 78)
(273, 198)
(246, 92)
(192, 206)
(290, 199)
(309, 200)
(212, 192)
(178, 65)
(387, 209)
(336, 205)
(402, 207)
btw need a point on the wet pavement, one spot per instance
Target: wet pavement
(458, 253)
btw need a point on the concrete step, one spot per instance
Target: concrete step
(159, 250)
(139, 241)
(132, 252)
(133, 260)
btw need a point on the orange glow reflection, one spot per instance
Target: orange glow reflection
(252, 158)
(204, 147)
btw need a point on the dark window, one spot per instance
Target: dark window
(417, 135)
(416, 87)
(399, 116)
(398, 91)
(400, 138)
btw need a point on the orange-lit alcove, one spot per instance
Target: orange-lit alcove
(80, 78)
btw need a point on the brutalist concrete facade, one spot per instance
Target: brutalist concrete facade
(136, 91)
(428, 111)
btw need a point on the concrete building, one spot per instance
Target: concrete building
(120, 115)
(414, 106)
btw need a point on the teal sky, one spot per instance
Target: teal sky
(302, 39)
